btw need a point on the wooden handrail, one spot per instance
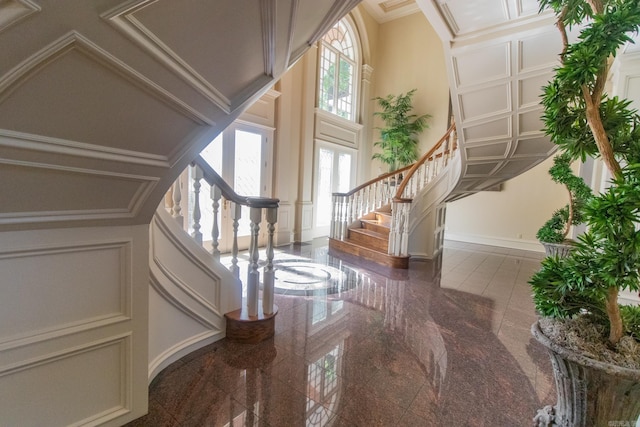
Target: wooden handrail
(412, 170)
(373, 181)
(212, 178)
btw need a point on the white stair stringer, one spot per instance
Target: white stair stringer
(426, 217)
(188, 296)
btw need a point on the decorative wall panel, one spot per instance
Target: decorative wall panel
(12, 11)
(68, 193)
(78, 92)
(84, 385)
(42, 277)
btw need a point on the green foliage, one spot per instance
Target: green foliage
(327, 101)
(555, 229)
(607, 256)
(399, 138)
(557, 292)
(552, 231)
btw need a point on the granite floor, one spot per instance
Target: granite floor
(445, 343)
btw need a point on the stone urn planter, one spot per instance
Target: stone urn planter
(590, 393)
(558, 249)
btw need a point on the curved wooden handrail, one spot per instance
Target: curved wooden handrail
(373, 181)
(429, 154)
(212, 178)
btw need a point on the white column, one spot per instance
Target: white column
(304, 204)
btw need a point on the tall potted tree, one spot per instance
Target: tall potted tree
(578, 295)
(399, 136)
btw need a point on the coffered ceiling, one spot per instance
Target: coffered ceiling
(388, 10)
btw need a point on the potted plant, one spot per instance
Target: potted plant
(553, 234)
(399, 137)
(593, 342)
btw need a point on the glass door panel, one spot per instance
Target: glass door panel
(239, 156)
(335, 173)
(325, 188)
(247, 171)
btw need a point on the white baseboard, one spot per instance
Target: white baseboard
(527, 245)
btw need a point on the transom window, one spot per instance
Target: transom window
(338, 69)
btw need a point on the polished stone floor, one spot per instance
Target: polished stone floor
(445, 343)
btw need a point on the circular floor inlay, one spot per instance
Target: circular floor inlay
(305, 277)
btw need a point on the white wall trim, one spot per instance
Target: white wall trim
(181, 349)
(527, 245)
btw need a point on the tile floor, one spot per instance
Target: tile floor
(445, 343)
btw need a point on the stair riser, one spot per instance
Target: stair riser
(378, 228)
(336, 247)
(383, 219)
(370, 242)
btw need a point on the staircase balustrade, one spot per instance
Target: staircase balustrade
(395, 190)
(261, 208)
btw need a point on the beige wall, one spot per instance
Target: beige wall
(510, 217)
(410, 55)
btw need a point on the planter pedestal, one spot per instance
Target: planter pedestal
(559, 249)
(590, 393)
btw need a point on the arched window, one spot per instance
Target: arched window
(338, 70)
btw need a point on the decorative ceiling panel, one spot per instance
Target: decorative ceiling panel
(485, 102)
(488, 130)
(530, 122)
(524, 8)
(492, 151)
(387, 10)
(466, 17)
(516, 167)
(539, 51)
(195, 51)
(530, 89)
(482, 64)
(481, 169)
(532, 147)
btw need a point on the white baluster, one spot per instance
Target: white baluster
(253, 275)
(344, 214)
(236, 214)
(168, 200)
(197, 176)
(353, 213)
(268, 288)
(216, 195)
(336, 221)
(176, 208)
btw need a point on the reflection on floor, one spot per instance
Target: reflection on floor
(356, 345)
